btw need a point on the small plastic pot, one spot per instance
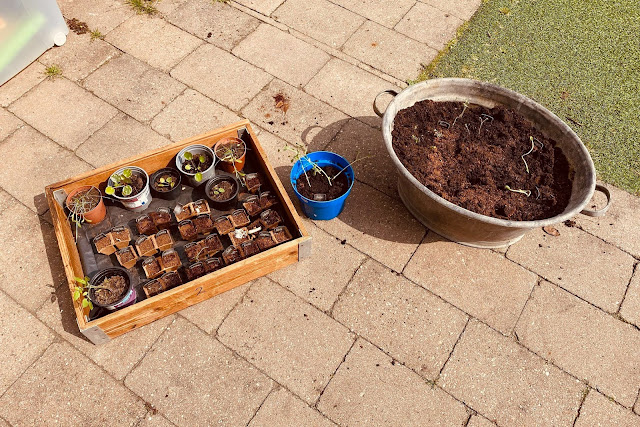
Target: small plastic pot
(137, 202)
(228, 202)
(226, 165)
(166, 193)
(196, 150)
(95, 215)
(129, 296)
(328, 209)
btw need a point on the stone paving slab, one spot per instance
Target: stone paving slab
(281, 55)
(598, 410)
(194, 380)
(578, 262)
(133, 86)
(221, 76)
(630, 310)
(155, 420)
(63, 387)
(209, 314)
(425, 22)
(21, 83)
(463, 9)
(381, 11)
(8, 123)
(407, 322)
(264, 7)
(480, 282)
(507, 383)
(295, 344)
(23, 339)
(153, 40)
(478, 421)
(283, 409)
(215, 22)
(370, 388)
(104, 15)
(63, 111)
(584, 341)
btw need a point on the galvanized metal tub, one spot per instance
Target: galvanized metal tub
(470, 228)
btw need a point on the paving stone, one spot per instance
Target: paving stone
(221, 76)
(578, 262)
(133, 86)
(281, 54)
(22, 340)
(349, 89)
(153, 40)
(381, 11)
(21, 83)
(598, 410)
(370, 388)
(387, 232)
(122, 137)
(47, 108)
(8, 124)
(215, 22)
(480, 282)
(209, 314)
(379, 47)
(166, 7)
(79, 56)
(30, 257)
(191, 114)
(307, 121)
(583, 340)
(264, 7)
(358, 140)
(102, 15)
(65, 388)
(119, 355)
(155, 419)
(404, 320)
(478, 421)
(320, 19)
(43, 154)
(283, 409)
(429, 25)
(292, 342)
(194, 380)
(320, 278)
(619, 225)
(630, 309)
(508, 384)
(463, 9)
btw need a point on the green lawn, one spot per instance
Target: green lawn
(579, 58)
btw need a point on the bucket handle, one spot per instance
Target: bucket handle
(603, 210)
(375, 107)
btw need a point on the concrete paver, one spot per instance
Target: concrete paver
(281, 55)
(478, 421)
(209, 314)
(192, 379)
(155, 420)
(380, 11)
(463, 9)
(370, 388)
(19, 84)
(104, 15)
(153, 40)
(630, 309)
(292, 342)
(8, 123)
(57, 102)
(425, 22)
(264, 7)
(283, 409)
(133, 86)
(221, 76)
(64, 387)
(578, 262)
(507, 383)
(480, 282)
(584, 341)
(215, 22)
(404, 320)
(598, 410)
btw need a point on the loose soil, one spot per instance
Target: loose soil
(77, 26)
(85, 200)
(238, 150)
(165, 187)
(115, 288)
(229, 188)
(469, 159)
(320, 184)
(137, 185)
(196, 165)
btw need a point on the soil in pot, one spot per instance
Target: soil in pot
(161, 218)
(170, 280)
(112, 289)
(223, 225)
(270, 218)
(137, 182)
(197, 163)
(165, 181)
(239, 218)
(222, 191)
(318, 187)
(203, 223)
(491, 161)
(83, 202)
(145, 225)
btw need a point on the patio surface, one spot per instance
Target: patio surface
(386, 324)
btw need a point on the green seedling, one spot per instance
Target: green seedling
(53, 71)
(96, 35)
(226, 153)
(218, 191)
(483, 119)
(143, 6)
(525, 192)
(195, 164)
(533, 144)
(79, 205)
(465, 105)
(168, 182)
(82, 288)
(122, 180)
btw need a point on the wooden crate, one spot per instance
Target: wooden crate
(146, 311)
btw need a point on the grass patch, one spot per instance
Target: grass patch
(96, 35)
(53, 71)
(579, 59)
(143, 6)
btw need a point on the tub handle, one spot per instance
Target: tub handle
(375, 107)
(603, 210)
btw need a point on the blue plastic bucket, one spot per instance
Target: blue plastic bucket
(328, 209)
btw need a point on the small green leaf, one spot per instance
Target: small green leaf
(202, 158)
(84, 281)
(187, 167)
(85, 303)
(115, 179)
(161, 180)
(127, 190)
(126, 173)
(110, 190)
(169, 179)
(188, 156)
(198, 177)
(221, 190)
(76, 294)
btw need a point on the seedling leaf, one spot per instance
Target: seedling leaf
(198, 177)
(110, 190)
(126, 173)
(127, 190)
(188, 156)
(202, 158)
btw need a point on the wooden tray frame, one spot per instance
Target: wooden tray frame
(105, 328)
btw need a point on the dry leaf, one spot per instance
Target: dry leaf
(552, 231)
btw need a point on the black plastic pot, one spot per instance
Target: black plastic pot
(171, 194)
(229, 202)
(129, 296)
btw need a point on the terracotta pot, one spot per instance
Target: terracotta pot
(228, 166)
(95, 215)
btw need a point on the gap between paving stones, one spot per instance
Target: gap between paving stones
(584, 397)
(435, 381)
